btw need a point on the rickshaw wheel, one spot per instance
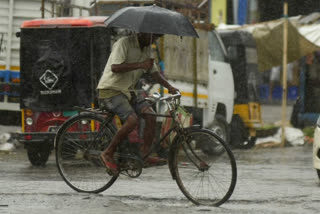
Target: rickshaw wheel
(38, 156)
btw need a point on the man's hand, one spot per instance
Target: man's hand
(147, 64)
(126, 67)
(173, 90)
(162, 81)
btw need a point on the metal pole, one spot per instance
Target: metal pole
(92, 72)
(52, 9)
(9, 41)
(1, 41)
(9, 35)
(195, 74)
(42, 8)
(284, 72)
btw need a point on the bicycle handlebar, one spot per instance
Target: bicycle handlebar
(175, 96)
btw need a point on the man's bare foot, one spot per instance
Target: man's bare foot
(109, 164)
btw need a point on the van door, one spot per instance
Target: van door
(221, 84)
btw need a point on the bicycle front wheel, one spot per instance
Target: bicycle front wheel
(205, 178)
(79, 143)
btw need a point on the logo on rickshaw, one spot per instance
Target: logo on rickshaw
(49, 79)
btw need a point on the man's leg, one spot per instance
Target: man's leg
(149, 133)
(120, 106)
(271, 87)
(274, 77)
(149, 130)
(121, 134)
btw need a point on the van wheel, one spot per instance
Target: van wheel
(38, 156)
(318, 172)
(221, 128)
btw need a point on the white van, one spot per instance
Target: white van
(200, 66)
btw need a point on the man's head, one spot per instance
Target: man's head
(146, 39)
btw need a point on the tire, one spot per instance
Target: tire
(39, 155)
(221, 128)
(203, 178)
(239, 133)
(318, 172)
(79, 143)
(294, 119)
(240, 137)
(251, 142)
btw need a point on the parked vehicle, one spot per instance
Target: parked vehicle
(316, 148)
(61, 62)
(13, 14)
(242, 56)
(200, 69)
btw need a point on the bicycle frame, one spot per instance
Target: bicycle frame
(177, 127)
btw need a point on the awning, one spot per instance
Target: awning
(269, 42)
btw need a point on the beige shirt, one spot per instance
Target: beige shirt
(125, 50)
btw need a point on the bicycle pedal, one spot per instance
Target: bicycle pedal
(111, 173)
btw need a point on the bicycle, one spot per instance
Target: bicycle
(203, 176)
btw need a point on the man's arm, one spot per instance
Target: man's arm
(126, 67)
(162, 81)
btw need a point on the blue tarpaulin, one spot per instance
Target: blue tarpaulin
(242, 11)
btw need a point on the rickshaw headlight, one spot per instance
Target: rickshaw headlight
(84, 122)
(29, 121)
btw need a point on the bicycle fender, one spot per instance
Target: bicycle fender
(70, 119)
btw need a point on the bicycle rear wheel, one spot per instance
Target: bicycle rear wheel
(79, 143)
(204, 178)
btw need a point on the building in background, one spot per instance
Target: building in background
(218, 11)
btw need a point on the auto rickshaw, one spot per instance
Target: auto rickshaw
(62, 60)
(246, 118)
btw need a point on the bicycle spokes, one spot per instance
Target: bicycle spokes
(206, 178)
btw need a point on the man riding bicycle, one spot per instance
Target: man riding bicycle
(129, 59)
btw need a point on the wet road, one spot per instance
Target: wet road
(270, 180)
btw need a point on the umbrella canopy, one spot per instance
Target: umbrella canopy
(152, 19)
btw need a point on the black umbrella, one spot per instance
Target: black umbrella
(152, 19)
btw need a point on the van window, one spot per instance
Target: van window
(215, 48)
